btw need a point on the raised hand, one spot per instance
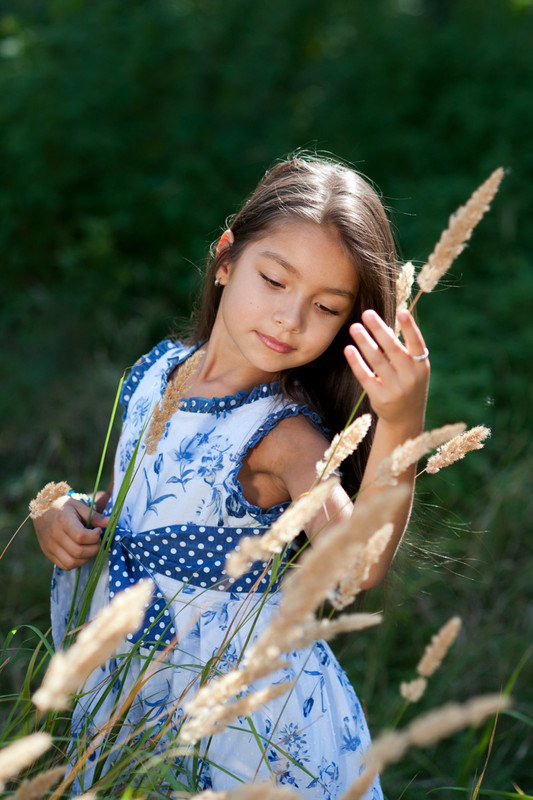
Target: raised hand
(394, 375)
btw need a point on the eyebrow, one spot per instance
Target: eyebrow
(292, 269)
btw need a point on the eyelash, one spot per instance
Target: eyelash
(278, 285)
(271, 282)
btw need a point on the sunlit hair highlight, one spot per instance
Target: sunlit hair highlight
(329, 194)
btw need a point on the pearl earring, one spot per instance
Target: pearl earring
(217, 282)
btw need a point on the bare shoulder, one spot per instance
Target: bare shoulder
(293, 442)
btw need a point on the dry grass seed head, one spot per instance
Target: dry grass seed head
(343, 445)
(361, 562)
(404, 287)
(216, 718)
(52, 491)
(458, 232)
(99, 640)
(37, 787)
(438, 647)
(323, 565)
(412, 691)
(284, 530)
(427, 729)
(457, 448)
(410, 451)
(22, 753)
(251, 791)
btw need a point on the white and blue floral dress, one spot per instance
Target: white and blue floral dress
(184, 512)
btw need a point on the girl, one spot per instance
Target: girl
(293, 326)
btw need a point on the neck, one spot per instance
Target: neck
(225, 370)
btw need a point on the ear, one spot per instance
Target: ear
(224, 243)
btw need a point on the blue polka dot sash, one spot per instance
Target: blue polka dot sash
(192, 554)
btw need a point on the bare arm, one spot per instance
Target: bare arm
(397, 388)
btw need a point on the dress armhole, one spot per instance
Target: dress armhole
(240, 505)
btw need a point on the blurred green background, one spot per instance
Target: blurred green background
(129, 131)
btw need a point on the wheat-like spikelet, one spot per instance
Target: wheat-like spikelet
(412, 691)
(69, 670)
(251, 791)
(283, 531)
(449, 719)
(363, 558)
(439, 645)
(458, 232)
(215, 718)
(174, 391)
(52, 491)
(342, 445)
(427, 729)
(162, 414)
(37, 787)
(457, 448)
(326, 629)
(404, 286)
(22, 753)
(410, 451)
(321, 566)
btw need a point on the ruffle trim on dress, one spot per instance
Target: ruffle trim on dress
(204, 405)
(139, 370)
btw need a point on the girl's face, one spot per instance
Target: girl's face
(286, 297)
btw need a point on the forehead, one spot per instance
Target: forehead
(310, 251)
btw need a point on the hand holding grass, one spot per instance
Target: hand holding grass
(62, 533)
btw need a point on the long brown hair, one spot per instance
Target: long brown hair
(327, 193)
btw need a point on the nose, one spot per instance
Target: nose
(290, 316)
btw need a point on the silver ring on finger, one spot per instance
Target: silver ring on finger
(422, 356)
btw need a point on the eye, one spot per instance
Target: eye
(271, 281)
(327, 310)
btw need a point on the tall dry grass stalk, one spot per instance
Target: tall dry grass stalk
(342, 445)
(213, 718)
(171, 400)
(347, 543)
(432, 658)
(410, 451)
(284, 530)
(37, 787)
(437, 649)
(359, 566)
(252, 791)
(97, 642)
(414, 690)
(52, 491)
(424, 731)
(22, 753)
(294, 625)
(461, 224)
(404, 287)
(457, 448)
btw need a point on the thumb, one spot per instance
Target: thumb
(96, 520)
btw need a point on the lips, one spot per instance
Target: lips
(274, 344)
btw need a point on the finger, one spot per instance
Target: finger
(414, 341)
(384, 336)
(74, 553)
(375, 356)
(65, 560)
(97, 519)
